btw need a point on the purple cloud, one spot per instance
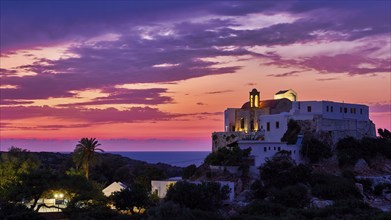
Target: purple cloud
(129, 96)
(291, 73)
(380, 107)
(218, 92)
(327, 79)
(351, 64)
(108, 115)
(135, 58)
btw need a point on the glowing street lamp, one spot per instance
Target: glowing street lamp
(58, 199)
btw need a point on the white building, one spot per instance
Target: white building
(260, 124)
(114, 187)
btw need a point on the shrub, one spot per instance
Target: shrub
(367, 184)
(378, 189)
(189, 171)
(259, 191)
(348, 151)
(290, 136)
(13, 211)
(326, 186)
(315, 150)
(169, 211)
(205, 196)
(225, 156)
(292, 196)
(342, 209)
(282, 172)
(264, 208)
(129, 198)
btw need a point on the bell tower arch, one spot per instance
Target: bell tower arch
(254, 99)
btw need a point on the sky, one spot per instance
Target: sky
(157, 75)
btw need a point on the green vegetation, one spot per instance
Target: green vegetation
(14, 211)
(144, 174)
(26, 177)
(233, 156)
(281, 172)
(349, 149)
(129, 198)
(207, 196)
(189, 171)
(291, 133)
(84, 153)
(384, 134)
(314, 150)
(285, 188)
(13, 164)
(327, 186)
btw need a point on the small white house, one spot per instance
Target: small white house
(114, 187)
(161, 187)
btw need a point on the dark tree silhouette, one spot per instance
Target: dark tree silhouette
(84, 153)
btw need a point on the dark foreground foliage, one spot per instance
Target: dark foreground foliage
(207, 196)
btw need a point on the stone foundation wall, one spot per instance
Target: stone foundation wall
(331, 131)
(222, 139)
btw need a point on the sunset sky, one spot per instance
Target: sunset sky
(157, 75)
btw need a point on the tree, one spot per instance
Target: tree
(314, 150)
(189, 171)
(170, 211)
(327, 186)
(129, 198)
(349, 150)
(205, 196)
(295, 196)
(233, 156)
(384, 133)
(84, 153)
(281, 172)
(291, 133)
(145, 173)
(13, 164)
(17, 211)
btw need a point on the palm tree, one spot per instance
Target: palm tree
(84, 153)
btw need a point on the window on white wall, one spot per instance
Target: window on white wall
(309, 109)
(242, 123)
(277, 124)
(268, 126)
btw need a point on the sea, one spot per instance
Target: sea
(175, 158)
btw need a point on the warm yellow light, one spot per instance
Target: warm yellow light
(256, 101)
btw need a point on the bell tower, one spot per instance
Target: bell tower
(254, 98)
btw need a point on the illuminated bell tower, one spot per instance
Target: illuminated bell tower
(254, 99)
